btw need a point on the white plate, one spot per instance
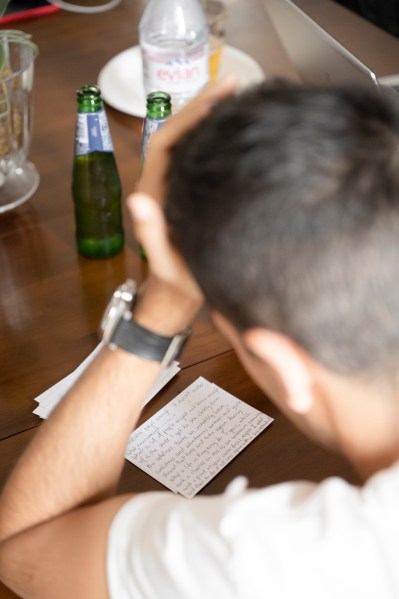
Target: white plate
(120, 80)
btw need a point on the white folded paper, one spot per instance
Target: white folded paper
(50, 398)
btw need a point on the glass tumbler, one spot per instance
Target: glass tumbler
(216, 15)
(19, 178)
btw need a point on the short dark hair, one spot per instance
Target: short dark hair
(285, 203)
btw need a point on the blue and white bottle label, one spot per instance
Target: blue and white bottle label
(92, 133)
(151, 126)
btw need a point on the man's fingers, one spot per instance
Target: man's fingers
(195, 110)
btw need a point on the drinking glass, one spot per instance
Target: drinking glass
(19, 178)
(216, 15)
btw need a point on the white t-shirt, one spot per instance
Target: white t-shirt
(315, 541)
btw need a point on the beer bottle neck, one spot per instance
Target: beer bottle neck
(89, 98)
(158, 105)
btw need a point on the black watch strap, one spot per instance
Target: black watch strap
(140, 341)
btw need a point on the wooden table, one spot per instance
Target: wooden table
(51, 299)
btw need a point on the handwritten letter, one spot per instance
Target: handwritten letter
(194, 436)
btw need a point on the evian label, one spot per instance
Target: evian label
(167, 71)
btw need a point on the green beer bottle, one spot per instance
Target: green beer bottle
(159, 108)
(96, 187)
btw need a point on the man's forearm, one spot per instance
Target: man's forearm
(77, 455)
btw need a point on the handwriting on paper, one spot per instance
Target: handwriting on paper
(194, 436)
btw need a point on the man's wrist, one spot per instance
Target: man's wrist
(147, 324)
(163, 311)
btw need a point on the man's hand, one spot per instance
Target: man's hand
(170, 297)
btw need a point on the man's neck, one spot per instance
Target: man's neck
(366, 421)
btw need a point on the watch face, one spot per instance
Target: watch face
(112, 313)
(119, 305)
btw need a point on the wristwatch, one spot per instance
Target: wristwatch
(118, 329)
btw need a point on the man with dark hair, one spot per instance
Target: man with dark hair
(284, 202)
(296, 184)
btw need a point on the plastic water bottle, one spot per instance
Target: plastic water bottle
(174, 48)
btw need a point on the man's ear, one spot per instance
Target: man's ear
(289, 363)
